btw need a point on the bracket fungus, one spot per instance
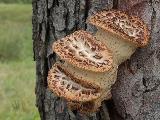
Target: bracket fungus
(104, 79)
(83, 95)
(64, 84)
(121, 33)
(88, 72)
(82, 50)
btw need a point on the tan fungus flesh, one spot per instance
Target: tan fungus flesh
(131, 28)
(121, 50)
(71, 88)
(82, 50)
(103, 79)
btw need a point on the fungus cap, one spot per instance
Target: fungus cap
(83, 50)
(68, 86)
(131, 28)
(90, 106)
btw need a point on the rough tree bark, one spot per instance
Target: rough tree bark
(136, 92)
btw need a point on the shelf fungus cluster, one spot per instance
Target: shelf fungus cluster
(89, 67)
(120, 32)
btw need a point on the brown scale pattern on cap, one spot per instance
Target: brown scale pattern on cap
(131, 28)
(65, 85)
(82, 50)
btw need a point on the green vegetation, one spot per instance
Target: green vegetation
(16, 1)
(17, 68)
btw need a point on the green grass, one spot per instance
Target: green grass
(17, 68)
(15, 32)
(16, 1)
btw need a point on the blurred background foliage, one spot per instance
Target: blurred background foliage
(16, 1)
(17, 67)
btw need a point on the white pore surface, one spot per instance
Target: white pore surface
(84, 50)
(121, 49)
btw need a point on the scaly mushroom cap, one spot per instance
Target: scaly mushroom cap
(65, 85)
(131, 28)
(82, 50)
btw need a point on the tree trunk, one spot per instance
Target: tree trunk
(135, 93)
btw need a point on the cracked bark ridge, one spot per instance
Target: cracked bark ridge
(94, 7)
(136, 93)
(52, 20)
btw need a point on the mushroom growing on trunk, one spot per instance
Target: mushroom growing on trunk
(89, 70)
(120, 32)
(82, 95)
(103, 79)
(70, 87)
(81, 49)
(87, 60)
